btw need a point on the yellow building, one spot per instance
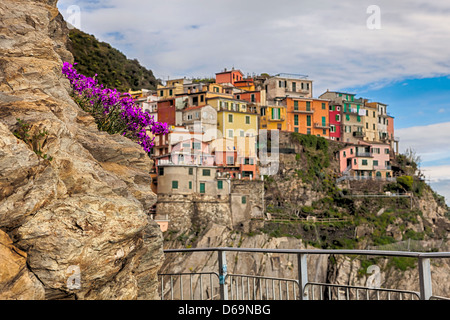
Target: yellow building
(234, 118)
(273, 117)
(370, 128)
(172, 88)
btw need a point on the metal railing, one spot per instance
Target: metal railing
(222, 285)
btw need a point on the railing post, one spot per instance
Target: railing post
(425, 278)
(223, 275)
(302, 275)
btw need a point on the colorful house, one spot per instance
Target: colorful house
(366, 159)
(352, 113)
(335, 121)
(229, 76)
(234, 117)
(273, 118)
(285, 85)
(308, 116)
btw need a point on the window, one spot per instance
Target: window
(174, 184)
(206, 172)
(295, 105)
(344, 154)
(276, 113)
(324, 131)
(241, 133)
(190, 184)
(244, 199)
(308, 106)
(191, 171)
(161, 171)
(220, 184)
(295, 119)
(230, 133)
(294, 86)
(354, 161)
(247, 119)
(338, 118)
(375, 162)
(386, 150)
(170, 92)
(364, 162)
(308, 121)
(332, 128)
(323, 105)
(308, 131)
(230, 118)
(202, 187)
(161, 93)
(230, 160)
(252, 97)
(296, 129)
(196, 145)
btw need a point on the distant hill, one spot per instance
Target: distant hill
(113, 68)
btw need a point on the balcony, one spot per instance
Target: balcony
(282, 118)
(358, 134)
(307, 111)
(321, 125)
(363, 154)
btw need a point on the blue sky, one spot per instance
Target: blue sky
(398, 54)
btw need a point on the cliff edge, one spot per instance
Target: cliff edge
(73, 200)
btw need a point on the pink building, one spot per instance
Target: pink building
(366, 159)
(188, 152)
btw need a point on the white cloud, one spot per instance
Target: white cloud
(328, 40)
(431, 142)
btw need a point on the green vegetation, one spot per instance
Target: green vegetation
(113, 68)
(36, 141)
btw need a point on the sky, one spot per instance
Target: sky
(394, 52)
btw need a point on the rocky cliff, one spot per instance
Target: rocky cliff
(306, 208)
(73, 200)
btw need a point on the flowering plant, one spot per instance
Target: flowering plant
(114, 112)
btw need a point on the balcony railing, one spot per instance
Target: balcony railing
(219, 284)
(306, 111)
(363, 154)
(321, 125)
(358, 134)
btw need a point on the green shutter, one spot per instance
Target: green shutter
(174, 184)
(244, 199)
(202, 187)
(324, 121)
(296, 120)
(308, 120)
(190, 184)
(220, 184)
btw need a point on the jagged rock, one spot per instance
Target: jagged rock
(16, 282)
(81, 217)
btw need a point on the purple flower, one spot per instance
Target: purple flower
(119, 112)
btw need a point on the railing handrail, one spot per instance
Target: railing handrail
(321, 251)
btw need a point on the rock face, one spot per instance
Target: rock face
(75, 226)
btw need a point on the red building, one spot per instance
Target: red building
(166, 111)
(335, 121)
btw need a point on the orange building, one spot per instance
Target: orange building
(308, 116)
(229, 76)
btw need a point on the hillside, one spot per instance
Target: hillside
(353, 214)
(112, 67)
